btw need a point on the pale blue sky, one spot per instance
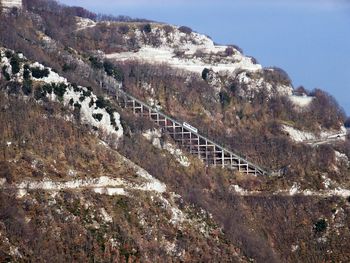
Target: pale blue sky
(310, 39)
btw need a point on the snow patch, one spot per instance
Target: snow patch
(2, 181)
(105, 216)
(154, 137)
(152, 185)
(341, 157)
(301, 101)
(83, 23)
(238, 189)
(166, 55)
(109, 191)
(53, 77)
(294, 189)
(87, 110)
(177, 216)
(21, 193)
(323, 137)
(297, 135)
(182, 159)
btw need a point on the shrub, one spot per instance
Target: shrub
(86, 93)
(40, 73)
(123, 29)
(39, 93)
(91, 102)
(5, 73)
(76, 88)
(27, 87)
(320, 225)
(347, 123)
(233, 88)
(276, 75)
(237, 48)
(300, 90)
(77, 105)
(205, 73)
(101, 102)
(71, 102)
(147, 28)
(67, 67)
(224, 98)
(8, 53)
(229, 51)
(185, 29)
(81, 98)
(13, 87)
(59, 90)
(113, 71)
(168, 29)
(97, 116)
(95, 62)
(108, 67)
(26, 72)
(47, 88)
(14, 62)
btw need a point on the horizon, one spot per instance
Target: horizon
(309, 39)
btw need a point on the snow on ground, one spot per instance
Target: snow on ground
(101, 185)
(332, 134)
(167, 56)
(53, 77)
(196, 49)
(87, 112)
(254, 84)
(105, 216)
(2, 181)
(301, 101)
(154, 137)
(295, 190)
(193, 52)
(297, 135)
(88, 106)
(152, 185)
(342, 158)
(177, 216)
(179, 156)
(83, 23)
(323, 137)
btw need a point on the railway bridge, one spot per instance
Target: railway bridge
(189, 138)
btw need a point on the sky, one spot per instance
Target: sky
(309, 39)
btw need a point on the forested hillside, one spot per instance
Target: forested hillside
(83, 179)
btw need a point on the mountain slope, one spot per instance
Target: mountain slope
(67, 194)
